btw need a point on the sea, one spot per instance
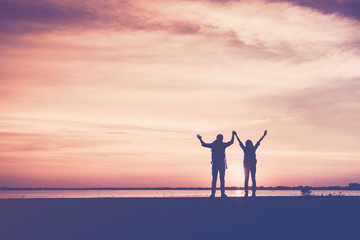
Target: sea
(20, 194)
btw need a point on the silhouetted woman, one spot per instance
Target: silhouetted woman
(218, 161)
(250, 162)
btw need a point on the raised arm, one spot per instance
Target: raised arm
(258, 142)
(241, 144)
(202, 142)
(232, 139)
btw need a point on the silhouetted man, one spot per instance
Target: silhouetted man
(250, 162)
(218, 161)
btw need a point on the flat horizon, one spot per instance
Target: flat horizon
(88, 98)
(357, 187)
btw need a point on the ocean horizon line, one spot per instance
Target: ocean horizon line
(351, 186)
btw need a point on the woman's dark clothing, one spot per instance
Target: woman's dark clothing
(250, 165)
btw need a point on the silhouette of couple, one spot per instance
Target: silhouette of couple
(219, 161)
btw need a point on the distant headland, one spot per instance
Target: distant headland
(351, 186)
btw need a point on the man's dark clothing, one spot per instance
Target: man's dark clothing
(218, 163)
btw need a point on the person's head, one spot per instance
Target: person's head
(219, 138)
(249, 143)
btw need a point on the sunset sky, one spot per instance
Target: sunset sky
(112, 93)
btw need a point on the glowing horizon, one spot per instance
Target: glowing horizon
(112, 94)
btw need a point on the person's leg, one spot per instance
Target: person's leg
(222, 180)
(214, 178)
(253, 178)
(246, 171)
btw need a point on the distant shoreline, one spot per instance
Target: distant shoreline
(350, 187)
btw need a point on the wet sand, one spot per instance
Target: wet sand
(181, 218)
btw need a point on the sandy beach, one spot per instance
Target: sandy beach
(181, 218)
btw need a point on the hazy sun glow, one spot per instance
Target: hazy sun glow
(113, 93)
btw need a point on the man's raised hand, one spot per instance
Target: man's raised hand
(265, 132)
(198, 136)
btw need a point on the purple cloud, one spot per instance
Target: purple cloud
(348, 8)
(22, 17)
(40, 11)
(185, 28)
(41, 16)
